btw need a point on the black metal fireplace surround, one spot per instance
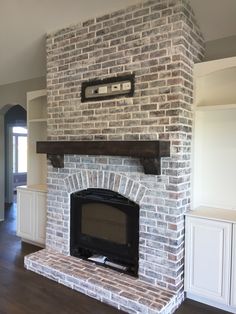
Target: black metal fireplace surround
(105, 223)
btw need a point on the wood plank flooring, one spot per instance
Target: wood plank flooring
(24, 292)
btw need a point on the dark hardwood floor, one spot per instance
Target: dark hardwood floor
(23, 292)
(192, 307)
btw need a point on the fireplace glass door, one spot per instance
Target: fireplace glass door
(105, 223)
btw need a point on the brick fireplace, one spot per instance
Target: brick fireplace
(158, 41)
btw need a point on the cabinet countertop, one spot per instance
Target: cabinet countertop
(213, 213)
(34, 187)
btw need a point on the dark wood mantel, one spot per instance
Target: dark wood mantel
(149, 152)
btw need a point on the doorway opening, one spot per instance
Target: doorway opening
(19, 151)
(15, 151)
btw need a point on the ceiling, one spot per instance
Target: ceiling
(23, 24)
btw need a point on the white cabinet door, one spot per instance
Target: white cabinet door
(233, 281)
(208, 259)
(40, 215)
(25, 214)
(31, 215)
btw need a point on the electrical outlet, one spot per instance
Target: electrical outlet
(126, 86)
(115, 87)
(102, 90)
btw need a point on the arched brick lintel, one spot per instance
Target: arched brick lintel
(116, 182)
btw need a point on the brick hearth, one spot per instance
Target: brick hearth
(124, 292)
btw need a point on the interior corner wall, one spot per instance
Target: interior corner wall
(221, 48)
(15, 93)
(2, 168)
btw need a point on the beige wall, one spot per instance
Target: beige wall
(15, 93)
(221, 48)
(2, 168)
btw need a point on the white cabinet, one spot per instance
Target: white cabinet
(210, 257)
(214, 144)
(25, 213)
(233, 291)
(208, 254)
(40, 217)
(31, 214)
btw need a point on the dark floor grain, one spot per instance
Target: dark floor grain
(24, 292)
(192, 307)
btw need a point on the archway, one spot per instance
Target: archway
(10, 115)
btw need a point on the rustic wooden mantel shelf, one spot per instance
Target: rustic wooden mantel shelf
(149, 152)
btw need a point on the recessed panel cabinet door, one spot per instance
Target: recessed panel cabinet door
(40, 212)
(233, 282)
(208, 259)
(25, 214)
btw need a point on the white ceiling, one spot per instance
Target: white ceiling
(23, 24)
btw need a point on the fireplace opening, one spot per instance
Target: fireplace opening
(104, 228)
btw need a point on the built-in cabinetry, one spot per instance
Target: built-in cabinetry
(31, 213)
(210, 254)
(37, 131)
(233, 281)
(31, 199)
(210, 258)
(214, 168)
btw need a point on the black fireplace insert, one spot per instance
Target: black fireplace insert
(105, 223)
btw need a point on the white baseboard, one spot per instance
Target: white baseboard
(33, 243)
(224, 307)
